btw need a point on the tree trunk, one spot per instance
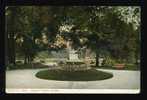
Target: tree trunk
(11, 33)
(29, 59)
(97, 59)
(12, 49)
(25, 59)
(6, 50)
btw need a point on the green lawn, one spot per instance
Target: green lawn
(127, 67)
(87, 75)
(26, 66)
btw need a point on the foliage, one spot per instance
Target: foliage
(42, 54)
(109, 62)
(112, 29)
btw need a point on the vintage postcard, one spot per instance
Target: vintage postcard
(73, 49)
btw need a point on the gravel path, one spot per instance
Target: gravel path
(25, 79)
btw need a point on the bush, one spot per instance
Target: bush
(10, 66)
(19, 62)
(42, 61)
(92, 62)
(109, 62)
(43, 54)
(61, 62)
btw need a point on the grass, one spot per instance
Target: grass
(127, 67)
(62, 75)
(132, 67)
(26, 66)
(37, 63)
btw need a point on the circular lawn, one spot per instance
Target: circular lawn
(62, 75)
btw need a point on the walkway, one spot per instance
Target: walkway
(25, 79)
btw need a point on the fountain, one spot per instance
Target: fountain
(73, 55)
(73, 63)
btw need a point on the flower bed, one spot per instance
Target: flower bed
(74, 66)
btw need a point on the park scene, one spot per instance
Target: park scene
(72, 47)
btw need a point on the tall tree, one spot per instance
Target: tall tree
(12, 27)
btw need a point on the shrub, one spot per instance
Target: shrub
(61, 62)
(10, 66)
(109, 62)
(42, 61)
(19, 62)
(92, 62)
(43, 54)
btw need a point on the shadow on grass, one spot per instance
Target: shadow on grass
(62, 75)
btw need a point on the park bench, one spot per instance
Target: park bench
(119, 66)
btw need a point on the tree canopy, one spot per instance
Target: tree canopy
(113, 29)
